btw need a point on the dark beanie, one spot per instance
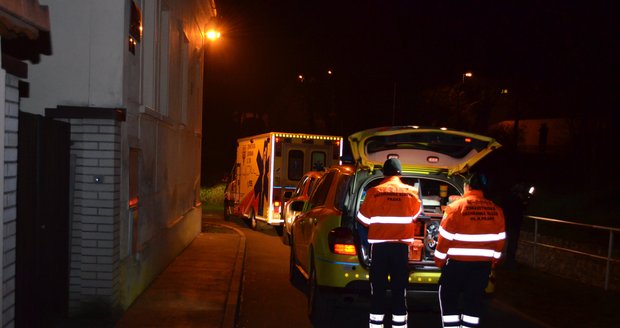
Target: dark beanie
(477, 181)
(392, 167)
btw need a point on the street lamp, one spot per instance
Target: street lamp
(213, 34)
(467, 74)
(458, 98)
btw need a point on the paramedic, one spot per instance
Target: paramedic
(389, 211)
(471, 238)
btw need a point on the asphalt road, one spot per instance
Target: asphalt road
(269, 300)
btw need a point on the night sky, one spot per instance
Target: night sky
(559, 58)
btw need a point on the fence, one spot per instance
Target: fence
(570, 238)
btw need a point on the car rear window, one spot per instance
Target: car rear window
(452, 145)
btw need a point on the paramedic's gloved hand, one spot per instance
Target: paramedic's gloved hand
(495, 263)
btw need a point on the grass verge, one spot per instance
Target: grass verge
(212, 198)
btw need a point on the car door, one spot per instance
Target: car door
(304, 223)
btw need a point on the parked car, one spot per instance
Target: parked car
(329, 248)
(301, 193)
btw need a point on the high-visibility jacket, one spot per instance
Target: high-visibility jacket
(389, 211)
(472, 229)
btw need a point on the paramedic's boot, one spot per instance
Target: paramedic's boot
(376, 320)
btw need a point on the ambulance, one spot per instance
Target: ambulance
(268, 167)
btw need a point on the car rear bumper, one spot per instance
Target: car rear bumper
(353, 276)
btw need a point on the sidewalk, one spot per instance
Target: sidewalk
(200, 288)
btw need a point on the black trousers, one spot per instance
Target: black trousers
(466, 279)
(389, 259)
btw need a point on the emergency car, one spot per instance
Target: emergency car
(330, 249)
(268, 165)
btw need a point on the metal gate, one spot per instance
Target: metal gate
(42, 255)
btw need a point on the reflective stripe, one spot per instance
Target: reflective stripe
(376, 320)
(391, 219)
(376, 241)
(450, 318)
(362, 218)
(377, 317)
(481, 237)
(399, 320)
(470, 252)
(471, 237)
(446, 234)
(470, 319)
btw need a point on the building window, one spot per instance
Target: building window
(149, 54)
(135, 27)
(164, 62)
(185, 90)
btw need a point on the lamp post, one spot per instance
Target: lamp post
(458, 98)
(467, 74)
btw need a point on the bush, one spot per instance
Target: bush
(212, 198)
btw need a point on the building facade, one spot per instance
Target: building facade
(111, 131)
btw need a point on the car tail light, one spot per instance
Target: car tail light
(341, 241)
(276, 207)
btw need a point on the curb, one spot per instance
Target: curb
(234, 292)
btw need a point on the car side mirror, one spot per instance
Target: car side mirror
(297, 205)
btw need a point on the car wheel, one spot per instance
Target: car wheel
(286, 237)
(227, 210)
(295, 277)
(432, 235)
(319, 300)
(253, 222)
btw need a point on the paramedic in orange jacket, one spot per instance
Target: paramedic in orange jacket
(389, 211)
(471, 238)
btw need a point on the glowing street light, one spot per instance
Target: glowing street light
(467, 74)
(213, 34)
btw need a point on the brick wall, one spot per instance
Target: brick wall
(95, 155)
(10, 199)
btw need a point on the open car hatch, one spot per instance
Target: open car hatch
(421, 150)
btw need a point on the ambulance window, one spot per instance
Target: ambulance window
(318, 160)
(295, 164)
